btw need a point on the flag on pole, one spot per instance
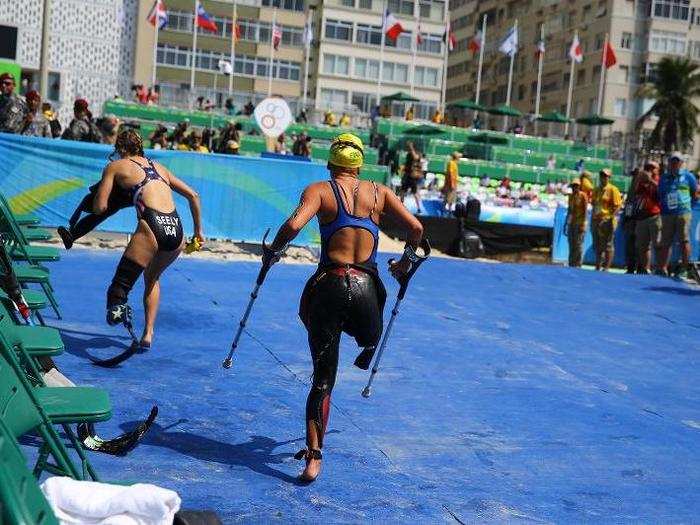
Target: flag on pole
(509, 45)
(236, 31)
(476, 42)
(575, 51)
(419, 35)
(276, 36)
(308, 34)
(392, 27)
(609, 56)
(448, 37)
(225, 67)
(539, 51)
(204, 21)
(159, 14)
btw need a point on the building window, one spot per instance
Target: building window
(365, 4)
(334, 98)
(336, 65)
(626, 41)
(426, 76)
(625, 74)
(337, 30)
(367, 68)
(431, 44)
(599, 40)
(695, 50)
(620, 107)
(392, 72)
(667, 42)
(367, 34)
(347, 3)
(404, 7)
(432, 9)
(676, 9)
(405, 41)
(581, 77)
(364, 101)
(291, 5)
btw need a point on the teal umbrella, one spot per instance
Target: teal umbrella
(467, 104)
(595, 120)
(554, 116)
(424, 129)
(399, 96)
(504, 110)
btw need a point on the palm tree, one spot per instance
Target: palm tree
(674, 88)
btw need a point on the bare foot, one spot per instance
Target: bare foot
(312, 470)
(146, 339)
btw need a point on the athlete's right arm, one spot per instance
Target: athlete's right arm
(192, 197)
(309, 204)
(104, 189)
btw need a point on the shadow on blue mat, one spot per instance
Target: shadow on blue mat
(255, 454)
(674, 290)
(79, 346)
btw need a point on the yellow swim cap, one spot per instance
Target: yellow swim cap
(347, 151)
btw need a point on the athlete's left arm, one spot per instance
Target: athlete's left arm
(104, 189)
(192, 198)
(309, 204)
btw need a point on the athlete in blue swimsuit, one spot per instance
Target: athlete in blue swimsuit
(158, 238)
(345, 294)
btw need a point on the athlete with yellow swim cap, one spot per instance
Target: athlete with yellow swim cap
(345, 294)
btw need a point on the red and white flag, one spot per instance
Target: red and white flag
(392, 27)
(448, 37)
(609, 56)
(476, 42)
(539, 51)
(236, 31)
(419, 35)
(204, 21)
(575, 51)
(159, 14)
(276, 36)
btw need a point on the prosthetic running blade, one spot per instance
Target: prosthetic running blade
(133, 349)
(120, 445)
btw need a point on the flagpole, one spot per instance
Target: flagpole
(510, 76)
(272, 51)
(481, 63)
(234, 35)
(601, 86)
(443, 91)
(415, 46)
(307, 45)
(194, 54)
(155, 44)
(571, 89)
(211, 115)
(539, 78)
(381, 54)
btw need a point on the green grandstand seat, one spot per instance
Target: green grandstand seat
(21, 500)
(36, 299)
(36, 340)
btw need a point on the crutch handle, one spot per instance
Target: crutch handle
(404, 279)
(270, 257)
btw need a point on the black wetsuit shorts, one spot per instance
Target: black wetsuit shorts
(167, 228)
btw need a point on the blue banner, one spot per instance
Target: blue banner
(241, 196)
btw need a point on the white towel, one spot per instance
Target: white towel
(90, 503)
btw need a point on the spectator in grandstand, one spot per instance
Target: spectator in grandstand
(208, 105)
(229, 107)
(503, 190)
(249, 108)
(35, 124)
(301, 117)
(678, 189)
(196, 142)
(178, 136)
(476, 123)
(449, 188)
(302, 146)
(587, 185)
(154, 95)
(200, 103)
(52, 118)
(109, 127)
(13, 108)
(232, 131)
(141, 94)
(385, 111)
(82, 128)
(551, 188)
(409, 113)
(485, 181)
(329, 118)
(575, 225)
(606, 203)
(552, 163)
(281, 145)
(518, 128)
(580, 166)
(344, 121)
(648, 216)
(159, 138)
(629, 224)
(232, 148)
(412, 175)
(437, 117)
(209, 138)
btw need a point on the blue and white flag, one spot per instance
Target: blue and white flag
(158, 13)
(509, 45)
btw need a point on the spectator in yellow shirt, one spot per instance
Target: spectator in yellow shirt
(587, 185)
(606, 203)
(437, 117)
(345, 121)
(576, 223)
(409, 113)
(449, 188)
(329, 118)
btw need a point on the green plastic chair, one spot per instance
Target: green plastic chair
(25, 219)
(21, 499)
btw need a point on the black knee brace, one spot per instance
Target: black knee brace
(125, 277)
